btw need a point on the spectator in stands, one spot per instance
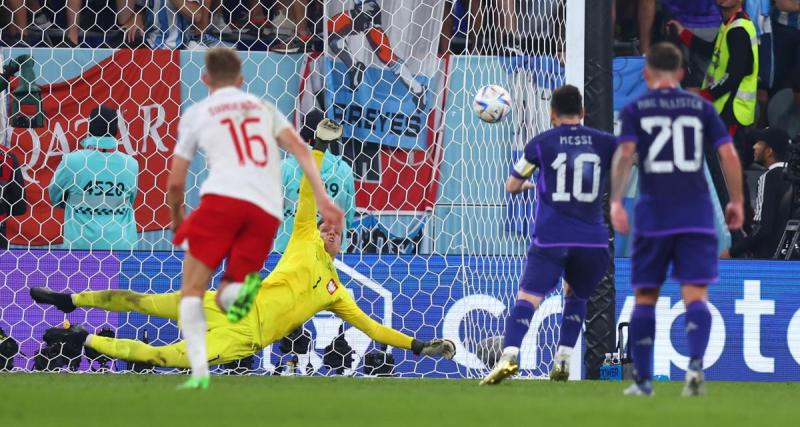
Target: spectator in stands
(700, 17)
(293, 29)
(130, 22)
(169, 24)
(21, 9)
(771, 211)
(255, 16)
(96, 186)
(336, 173)
(785, 18)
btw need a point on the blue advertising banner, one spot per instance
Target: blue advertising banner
(755, 309)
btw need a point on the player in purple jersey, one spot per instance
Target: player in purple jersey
(570, 237)
(674, 221)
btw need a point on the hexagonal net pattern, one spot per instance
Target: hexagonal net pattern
(433, 245)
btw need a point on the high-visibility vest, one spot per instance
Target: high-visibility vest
(744, 102)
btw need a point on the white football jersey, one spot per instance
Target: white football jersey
(237, 133)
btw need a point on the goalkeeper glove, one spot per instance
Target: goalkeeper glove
(327, 132)
(435, 347)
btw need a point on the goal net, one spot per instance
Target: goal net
(434, 247)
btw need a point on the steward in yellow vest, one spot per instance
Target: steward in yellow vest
(732, 77)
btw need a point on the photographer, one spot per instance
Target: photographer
(770, 150)
(96, 186)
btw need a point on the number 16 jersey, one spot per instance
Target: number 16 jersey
(574, 162)
(237, 133)
(671, 129)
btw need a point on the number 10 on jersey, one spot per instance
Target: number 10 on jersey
(243, 141)
(560, 165)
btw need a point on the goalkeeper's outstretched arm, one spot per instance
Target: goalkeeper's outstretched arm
(347, 309)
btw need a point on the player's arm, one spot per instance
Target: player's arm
(621, 165)
(290, 141)
(305, 220)
(519, 177)
(348, 311)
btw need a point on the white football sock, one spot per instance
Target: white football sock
(563, 353)
(510, 352)
(88, 340)
(193, 329)
(229, 294)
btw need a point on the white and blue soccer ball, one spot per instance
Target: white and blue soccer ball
(492, 103)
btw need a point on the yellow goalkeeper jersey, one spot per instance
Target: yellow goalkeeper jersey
(305, 282)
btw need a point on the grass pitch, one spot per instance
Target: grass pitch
(67, 400)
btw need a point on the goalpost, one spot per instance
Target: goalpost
(435, 247)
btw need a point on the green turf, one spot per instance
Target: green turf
(67, 400)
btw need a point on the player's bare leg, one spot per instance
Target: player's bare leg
(698, 329)
(642, 336)
(517, 324)
(196, 276)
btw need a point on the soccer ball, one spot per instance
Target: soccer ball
(492, 103)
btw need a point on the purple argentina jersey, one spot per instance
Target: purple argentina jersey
(574, 162)
(671, 128)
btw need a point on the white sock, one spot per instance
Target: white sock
(88, 340)
(564, 352)
(510, 352)
(229, 294)
(193, 329)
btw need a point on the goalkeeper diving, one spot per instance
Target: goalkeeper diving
(303, 283)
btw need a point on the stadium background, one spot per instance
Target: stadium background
(471, 235)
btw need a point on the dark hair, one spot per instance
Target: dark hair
(223, 65)
(103, 121)
(664, 57)
(566, 101)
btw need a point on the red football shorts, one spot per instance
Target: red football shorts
(224, 227)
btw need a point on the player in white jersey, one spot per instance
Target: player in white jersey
(242, 200)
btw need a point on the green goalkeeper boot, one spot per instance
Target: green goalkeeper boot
(244, 301)
(195, 383)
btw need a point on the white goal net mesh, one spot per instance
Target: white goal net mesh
(434, 247)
